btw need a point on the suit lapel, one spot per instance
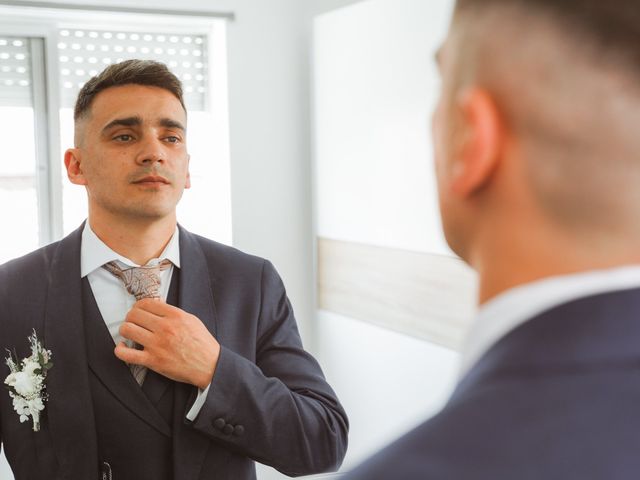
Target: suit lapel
(69, 409)
(196, 297)
(112, 372)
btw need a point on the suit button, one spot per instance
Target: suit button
(239, 430)
(228, 429)
(219, 423)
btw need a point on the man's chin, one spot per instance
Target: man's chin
(145, 213)
(155, 214)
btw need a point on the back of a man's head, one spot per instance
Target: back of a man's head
(566, 76)
(612, 25)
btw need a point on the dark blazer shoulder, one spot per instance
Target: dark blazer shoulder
(557, 426)
(227, 260)
(24, 283)
(555, 398)
(218, 250)
(43, 259)
(26, 278)
(29, 269)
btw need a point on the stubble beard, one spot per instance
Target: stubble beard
(139, 210)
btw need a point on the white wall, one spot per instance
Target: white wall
(388, 382)
(375, 87)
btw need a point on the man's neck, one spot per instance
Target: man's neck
(137, 240)
(530, 255)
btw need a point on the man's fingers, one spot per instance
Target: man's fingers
(155, 306)
(131, 355)
(132, 331)
(142, 318)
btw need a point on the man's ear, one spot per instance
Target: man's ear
(480, 141)
(73, 165)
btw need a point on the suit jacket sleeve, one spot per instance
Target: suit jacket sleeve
(279, 411)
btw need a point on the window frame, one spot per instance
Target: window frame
(42, 27)
(47, 128)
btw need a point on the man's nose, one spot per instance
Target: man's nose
(152, 151)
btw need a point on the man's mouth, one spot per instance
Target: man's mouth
(151, 180)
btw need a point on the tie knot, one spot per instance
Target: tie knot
(141, 282)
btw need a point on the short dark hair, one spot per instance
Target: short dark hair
(137, 72)
(611, 25)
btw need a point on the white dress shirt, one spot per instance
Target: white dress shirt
(508, 310)
(114, 302)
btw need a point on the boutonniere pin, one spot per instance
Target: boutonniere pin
(26, 381)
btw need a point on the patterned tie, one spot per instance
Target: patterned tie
(141, 282)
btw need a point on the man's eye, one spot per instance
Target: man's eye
(172, 139)
(123, 138)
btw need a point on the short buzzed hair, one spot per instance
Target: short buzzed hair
(613, 26)
(564, 74)
(136, 72)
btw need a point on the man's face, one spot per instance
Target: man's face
(132, 153)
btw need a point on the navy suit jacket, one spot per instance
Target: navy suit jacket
(557, 398)
(268, 401)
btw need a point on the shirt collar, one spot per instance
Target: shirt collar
(94, 252)
(510, 309)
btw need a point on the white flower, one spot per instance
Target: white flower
(10, 380)
(36, 405)
(26, 387)
(29, 366)
(24, 384)
(22, 408)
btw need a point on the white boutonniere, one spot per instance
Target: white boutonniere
(26, 381)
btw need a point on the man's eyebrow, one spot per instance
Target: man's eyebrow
(169, 123)
(123, 122)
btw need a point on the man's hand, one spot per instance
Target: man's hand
(176, 343)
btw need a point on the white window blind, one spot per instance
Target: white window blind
(84, 53)
(15, 72)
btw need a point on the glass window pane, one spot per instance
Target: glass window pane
(18, 194)
(206, 207)
(83, 53)
(18, 185)
(15, 72)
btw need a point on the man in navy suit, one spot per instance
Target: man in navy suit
(174, 357)
(538, 166)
